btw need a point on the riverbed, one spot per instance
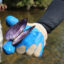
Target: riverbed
(54, 50)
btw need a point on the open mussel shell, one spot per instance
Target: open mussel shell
(22, 35)
(15, 30)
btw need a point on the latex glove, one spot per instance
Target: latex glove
(11, 20)
(15, 33)
(8, 48)
(3, 7)
(34, 42)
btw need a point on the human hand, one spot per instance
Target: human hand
(34, 42)
(15, 33)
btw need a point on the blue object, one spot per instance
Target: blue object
(8, 47)
(34, 37)
(11, 20)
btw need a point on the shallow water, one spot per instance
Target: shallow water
(54, 50)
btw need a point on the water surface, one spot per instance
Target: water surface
(54, 50)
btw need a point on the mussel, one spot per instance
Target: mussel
(17, 33)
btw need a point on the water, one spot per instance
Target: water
(54, 50)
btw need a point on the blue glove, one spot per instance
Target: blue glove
(33, 43)
(11, 20)
(8, 47)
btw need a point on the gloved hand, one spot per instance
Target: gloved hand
(3, 7)
(34, 42)
(15, 33)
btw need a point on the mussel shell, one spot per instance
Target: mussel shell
(15, 30)
(22, 35)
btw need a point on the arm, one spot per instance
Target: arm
(53, 15)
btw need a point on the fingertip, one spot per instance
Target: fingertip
(37, 51)
(31, 50)
(21, 49)
(11, 20)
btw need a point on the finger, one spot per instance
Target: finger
(31, 49)
(40, 46)
(38, 52)
(21, 49)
